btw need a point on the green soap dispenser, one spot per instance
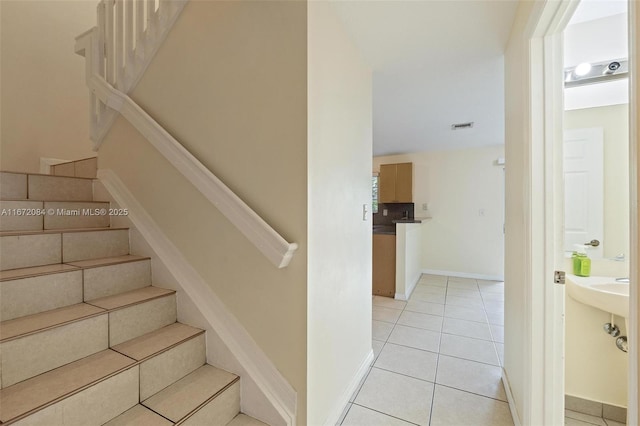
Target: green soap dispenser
(581, 262)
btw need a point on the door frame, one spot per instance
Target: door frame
(544, 399)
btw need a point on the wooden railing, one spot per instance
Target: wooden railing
(117, 52)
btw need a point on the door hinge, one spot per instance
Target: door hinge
(559, 277)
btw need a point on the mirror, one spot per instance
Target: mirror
(596, 143)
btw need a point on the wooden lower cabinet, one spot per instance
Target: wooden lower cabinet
(384, 265)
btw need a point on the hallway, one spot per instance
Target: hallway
(437, 358)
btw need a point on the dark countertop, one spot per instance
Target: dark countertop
(384, 229)
(390, 229)
(414, 220)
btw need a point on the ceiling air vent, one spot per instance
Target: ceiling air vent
(461, 126)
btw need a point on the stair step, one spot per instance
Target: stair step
(13, 185)
(56, 268)
(137, 312)
(150, 344)
(24, 326)
(58, 231)
(22, 249)
(129, 298)
(95, 244)
(35, 271)
(207, 396)
(76, 214)
(107, 261)
(40, 187)
(30, 215)
(28, 291)
(166, 355)
(139, 416)
(12, 221)
(38, 392)
(33, 354)
(86, 168)
(40, 293)
(116, 278)
(244, 420)
(38, 343)
(25, 250)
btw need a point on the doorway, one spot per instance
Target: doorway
(543, 304)
(596, 209)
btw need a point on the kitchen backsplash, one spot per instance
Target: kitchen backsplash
(395, 211)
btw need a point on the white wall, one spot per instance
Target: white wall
(464, 193)
(44, 100)
(615, 122)
(596, 40)
(516, 238)
(339, 240)
(408, 258)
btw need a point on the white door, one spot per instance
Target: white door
(583, 189)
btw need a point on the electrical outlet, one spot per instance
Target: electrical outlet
(385, 212)
(425, 206)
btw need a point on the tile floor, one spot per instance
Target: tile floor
(437, 359)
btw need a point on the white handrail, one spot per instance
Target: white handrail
(109, 79)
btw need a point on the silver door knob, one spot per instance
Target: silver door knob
(593, 243)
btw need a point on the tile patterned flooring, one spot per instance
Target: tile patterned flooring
(437, 359)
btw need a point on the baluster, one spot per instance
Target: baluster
(129, 34)
(139, 23)
(110, 41)
(100, 69)
(119, 62)
(128, 44)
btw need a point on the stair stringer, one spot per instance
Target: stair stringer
(265, 394)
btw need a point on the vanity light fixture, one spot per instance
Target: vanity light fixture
(597, 72)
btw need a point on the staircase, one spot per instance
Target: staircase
(86, 336)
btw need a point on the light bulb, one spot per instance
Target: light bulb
(582, 69)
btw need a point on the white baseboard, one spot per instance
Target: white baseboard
(335, 414)
(407, 294)
(510, 400)
(249, 355)
(464, 275)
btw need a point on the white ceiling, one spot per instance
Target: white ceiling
(588, 10)
(435, 63)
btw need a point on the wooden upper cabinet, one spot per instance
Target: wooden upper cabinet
(395, 183)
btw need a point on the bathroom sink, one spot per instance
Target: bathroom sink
(603, 293)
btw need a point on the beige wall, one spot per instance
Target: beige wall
(615, 122)
(464, 193)
(339, 240)
(44, 101)
(233, 79)
(595, 369)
